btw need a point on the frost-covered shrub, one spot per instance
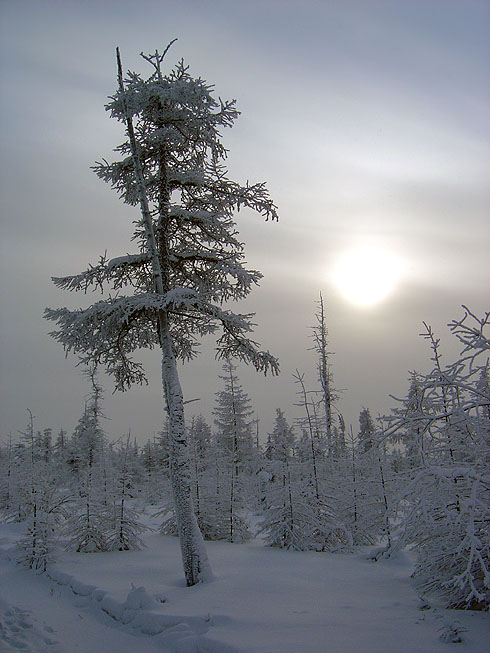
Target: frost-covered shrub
(86, 528)
(444, 511)
(448, 519)
(35, 498)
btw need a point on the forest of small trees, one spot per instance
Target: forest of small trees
(417, 477)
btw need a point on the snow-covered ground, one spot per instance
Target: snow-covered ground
(261, 600)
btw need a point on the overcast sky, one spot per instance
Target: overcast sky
(368, 120)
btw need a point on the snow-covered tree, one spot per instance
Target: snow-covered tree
(444, 510)
(281, 442)
(367, 430)
(154, 465)
(62, 455)
(211, 475)
(285, 523)
(413, 436)
(200, 443)
(39, 501)
(87, 442)
(188, 260)
(373, 487)
(326, 528)
(352, 495)
(233, 440)
(312, 443)
(320, 339)
(86, 527)
(61, 442)
(123, 527)
(7, 470)
(234, 420)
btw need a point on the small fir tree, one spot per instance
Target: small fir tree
(86, 527)
(284, 523)
(234, 439)
(124, 528)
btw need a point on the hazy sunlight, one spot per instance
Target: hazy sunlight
(367, 274)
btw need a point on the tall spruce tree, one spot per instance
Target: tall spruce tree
(188, 260)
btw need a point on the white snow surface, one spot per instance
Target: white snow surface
(261, 600)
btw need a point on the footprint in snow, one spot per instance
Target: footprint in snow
(18, 633)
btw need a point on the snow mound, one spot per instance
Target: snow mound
(138, 598)
(181, 634)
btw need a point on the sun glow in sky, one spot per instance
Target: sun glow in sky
(367, 274)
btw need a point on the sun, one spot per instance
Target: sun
(367, 274)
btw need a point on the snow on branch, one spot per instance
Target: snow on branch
(233, 345)
(471, 335)
(119, 270)
(109, 330)
(236, 196)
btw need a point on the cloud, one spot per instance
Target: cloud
(367, 120)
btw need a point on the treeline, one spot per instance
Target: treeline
(418, 477)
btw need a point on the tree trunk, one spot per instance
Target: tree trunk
(194, 557)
